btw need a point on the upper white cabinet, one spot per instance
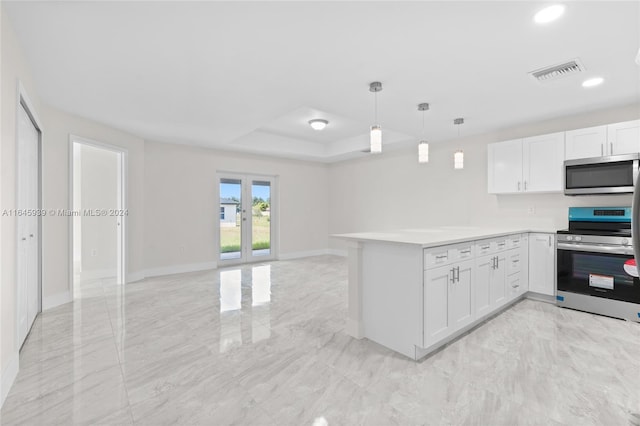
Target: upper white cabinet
(585, 143)
(624, 138)
(532, 164)
(612, 139)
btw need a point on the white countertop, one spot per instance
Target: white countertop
(437, 236)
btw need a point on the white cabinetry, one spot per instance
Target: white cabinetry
(448, 302)
(542, 266)
(612, 139)
(448, 298)
(532, 164)
(624, 138)
(585, 143)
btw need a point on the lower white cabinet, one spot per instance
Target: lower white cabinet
(459, 292)
(542, 263)
(448, 301)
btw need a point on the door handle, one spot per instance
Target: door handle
(611, 148)
(549, 240)
(24, 238)
(497, 262)
(518, 185)
(31, 235)
(457, 274)
(453, 275)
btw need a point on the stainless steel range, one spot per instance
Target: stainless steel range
(596, 269)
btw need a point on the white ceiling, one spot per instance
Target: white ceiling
(249, 75)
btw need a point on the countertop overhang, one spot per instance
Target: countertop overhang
(437, 236)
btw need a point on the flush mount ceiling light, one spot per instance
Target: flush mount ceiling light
(318, 123)
(423, 145)
(458, 156)
(549, 14)
(595, 81)
(375, 139)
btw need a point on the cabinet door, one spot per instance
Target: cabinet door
(624, 138)
(499, 281)
(436, 304)
(461, 306)
(481, 284)
(585, 143)
(542, 269)
(543, 163)
(514, 286)
(505, 167)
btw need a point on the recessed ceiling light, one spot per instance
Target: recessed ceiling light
(549, 14)
(592, 82)
(318, 123)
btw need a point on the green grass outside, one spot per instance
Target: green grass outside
(230, 237)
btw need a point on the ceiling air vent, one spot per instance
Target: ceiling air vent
(558, 71)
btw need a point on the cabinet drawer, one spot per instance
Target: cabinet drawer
(514, 241)
(483, 247)
(514, 263)
(493, 245)
(444, 255)
(437, 256)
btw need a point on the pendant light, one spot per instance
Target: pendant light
(423, 145)
(376, 131)
(458, 157)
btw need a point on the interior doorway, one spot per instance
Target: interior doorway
(99, 213)
(28, 218)
(247, 218)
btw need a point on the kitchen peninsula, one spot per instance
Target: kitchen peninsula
(414, 290)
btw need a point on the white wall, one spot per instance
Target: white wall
(182, 213)
(364, 193)
(13, 68)
(98, 181)
(56, 244)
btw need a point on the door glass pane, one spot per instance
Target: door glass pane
(261, 218)
(230, 221)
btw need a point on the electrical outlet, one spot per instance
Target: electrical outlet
(531, 210)
(181, 249)
(94, 252)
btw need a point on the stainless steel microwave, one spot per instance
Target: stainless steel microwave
(615, 174)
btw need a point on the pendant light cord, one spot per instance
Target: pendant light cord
(375, 107)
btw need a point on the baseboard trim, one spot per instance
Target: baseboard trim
(97, 274)
(338, 252)
(179, 269)
(56, 300)
(9, 376)
(310, 253)
(135, 276)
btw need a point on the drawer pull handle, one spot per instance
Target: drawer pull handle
(501, 244)
(516, 260)
(467, 251)
(484, 247)
(443, 256)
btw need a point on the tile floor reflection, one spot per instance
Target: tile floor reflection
(264, 344)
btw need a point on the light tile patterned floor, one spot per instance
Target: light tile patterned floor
(264, 344)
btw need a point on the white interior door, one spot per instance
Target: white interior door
(28, 262)
(247, 211)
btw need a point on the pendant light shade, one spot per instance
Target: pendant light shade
(423, 145)
(458, 156)
(458, 160)
(375, 139)
(423, 152)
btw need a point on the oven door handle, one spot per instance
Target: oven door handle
(595, 248)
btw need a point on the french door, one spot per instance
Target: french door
(28, 224)
(247, 217)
